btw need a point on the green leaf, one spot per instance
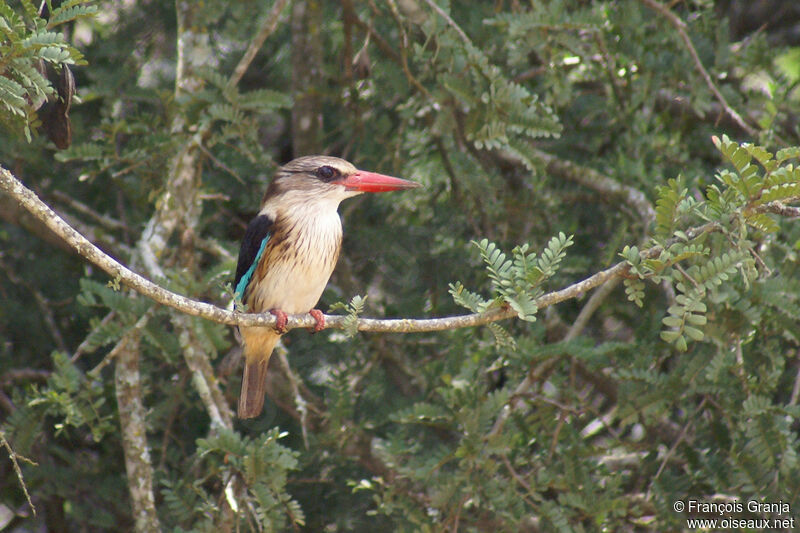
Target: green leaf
(264, 100)
(69, 11)
(667, 203)
(693, 333)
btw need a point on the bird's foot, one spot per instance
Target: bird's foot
(320, 318)
(283, 318)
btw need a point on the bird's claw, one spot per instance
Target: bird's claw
(320, 318)
(282, 319)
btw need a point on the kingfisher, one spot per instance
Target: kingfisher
(289, 251)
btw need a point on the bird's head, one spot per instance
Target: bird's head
(324, 179)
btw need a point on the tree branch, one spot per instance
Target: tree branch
(132, 421)
(592, 179)
(203, 377)
(39, 209)
(104, 220)
(779, 208)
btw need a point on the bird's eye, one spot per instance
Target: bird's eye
(327, 173)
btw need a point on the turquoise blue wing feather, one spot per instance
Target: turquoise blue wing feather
(251, 252)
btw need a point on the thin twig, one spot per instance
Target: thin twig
(591, 306)
(675, 445)
(686, 275)
(380, 42)
(348, 14)
(404, 51)
(219, 163)
(267, 27)
(449, 20)
(6, 404)
(17, 470)
(524, 484)
(23, 374)
(680, 27)
(609, 66)
(84, 346)
(104, 220)
(562, 419)
(174, 400)
(213, 247)
(41, 302)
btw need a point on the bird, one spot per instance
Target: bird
(288, 254)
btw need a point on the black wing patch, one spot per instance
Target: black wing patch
(255, 240)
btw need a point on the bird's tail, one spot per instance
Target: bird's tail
(258, 346)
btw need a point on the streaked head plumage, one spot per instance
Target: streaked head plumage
(316, 165)
(311, 177)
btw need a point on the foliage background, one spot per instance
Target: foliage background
(522, 120)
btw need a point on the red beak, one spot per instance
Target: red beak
(365, 181)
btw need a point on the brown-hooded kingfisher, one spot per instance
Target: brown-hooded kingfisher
(289, 251)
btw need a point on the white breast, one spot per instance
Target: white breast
(298, 266)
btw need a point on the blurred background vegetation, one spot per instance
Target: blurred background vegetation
(522, 120)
